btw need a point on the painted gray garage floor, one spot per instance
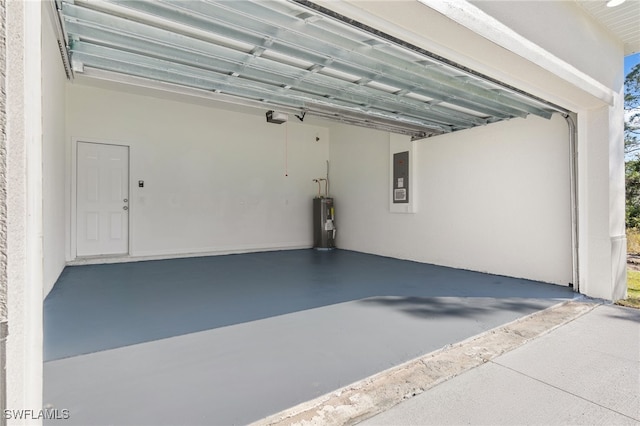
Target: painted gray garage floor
(232, 339)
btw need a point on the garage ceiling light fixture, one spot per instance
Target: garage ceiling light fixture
(293, 56)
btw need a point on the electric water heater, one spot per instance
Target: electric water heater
(324, 227)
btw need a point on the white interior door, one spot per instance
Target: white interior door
(102, 199)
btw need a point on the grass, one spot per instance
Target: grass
(633, 290)
(633, 277)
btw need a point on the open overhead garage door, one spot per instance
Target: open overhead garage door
(291, 55)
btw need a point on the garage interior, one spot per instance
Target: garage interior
(209, 291)
(233, 339)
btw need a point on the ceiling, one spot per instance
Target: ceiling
(623, 20)
(289, 55)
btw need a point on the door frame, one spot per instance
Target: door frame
(73, 244)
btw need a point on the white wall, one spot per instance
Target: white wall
(559, 27)
(53, 155)
(492, 199)
(586, 80)
(214, 179)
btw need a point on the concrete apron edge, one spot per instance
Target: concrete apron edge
(375, 394)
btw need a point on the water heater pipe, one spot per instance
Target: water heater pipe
(327, 184)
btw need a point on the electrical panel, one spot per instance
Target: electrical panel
(401, 178)
(403, 184)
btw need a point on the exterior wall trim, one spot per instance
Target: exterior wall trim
(490, 28)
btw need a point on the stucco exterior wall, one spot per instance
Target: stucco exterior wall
(3, 166)
(4, 329)
(24, 208)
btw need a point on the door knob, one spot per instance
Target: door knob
(126, 200)
(125, 208)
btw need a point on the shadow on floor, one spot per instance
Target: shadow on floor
(98, 307)
(433, 307)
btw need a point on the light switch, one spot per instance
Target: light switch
(140, 184)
